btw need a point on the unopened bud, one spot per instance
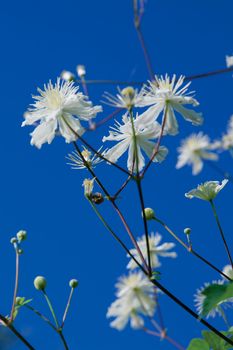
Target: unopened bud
(81, 70)
(21, 235)
(20, 251)
(187, 231)
(73, 283)
(149, 213)
(40, 283)
(128, 92)
(13, 240)
(67, 76)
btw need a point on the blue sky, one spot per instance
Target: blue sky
(40, 193)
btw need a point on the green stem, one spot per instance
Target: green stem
(221, 232)
(38, 313)
(16, 283)
(51, 308)
(67, 307)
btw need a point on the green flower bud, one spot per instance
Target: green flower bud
(187, 231)
(128, 92)
(13, 240)
(149, 213)
(40, 283)
(73, 283)
(18, 300)
(20, 251)
(21, 235)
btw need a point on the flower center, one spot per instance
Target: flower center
(54, 99)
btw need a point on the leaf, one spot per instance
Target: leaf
(214, 295)
(214, 341)
(198, 344)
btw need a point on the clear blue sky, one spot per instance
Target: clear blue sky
(40, 193)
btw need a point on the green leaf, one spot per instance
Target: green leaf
(216, 294)
(214, 341)
(198, 344)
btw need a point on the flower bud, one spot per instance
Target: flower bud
(73, 283)
(128, 92)
(67, 76)
(40, 283)
(88, 185)
(18, 300)
(149, 213)
(187, 231)
(20, 251)
(21, 235)
(13, 240)
(81, 70)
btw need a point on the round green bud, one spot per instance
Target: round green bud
(21, 235)
(73, 283)
(18, 300)
(13, 240)
(187, 231)
(20, 251)
(40, 283)
(149, 213)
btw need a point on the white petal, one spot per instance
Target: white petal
(43, 133)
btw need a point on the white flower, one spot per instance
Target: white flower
(166, 95)
(199, 299)
(92, 160)
(88, 185)
(126, 98)
(56, 107)
(123, 133)
(135, 297)
(193, 150)
(156, 250)
(229, 61)
(67, 75)
(207, 191)
(227, 270)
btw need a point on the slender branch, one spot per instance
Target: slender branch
(51, 308)
(125, 183)
(221, 232)
(63, 340)
(67, 308)
(38, 313)
(191, 250)
(190, 311)
(115, 236)
(209, 74)
(5, 321)
(112, 200)
(16, 283)
(103, 121)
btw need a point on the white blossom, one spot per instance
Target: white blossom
(77, 162)
(193, 150)
(135, 298)
(126, 98)
(88, 185)
(59, 108)
(207, 191)
(166, 95)
(81, 70)
(156, 250)
(123, 134)
(67, 75)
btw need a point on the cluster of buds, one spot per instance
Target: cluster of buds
(95, 197)
(16, 241)
(69, 76)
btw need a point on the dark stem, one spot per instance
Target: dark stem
(125, 183)
(190, 311)
(14, 330)
(221, 232)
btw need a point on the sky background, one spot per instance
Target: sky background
(40, 193)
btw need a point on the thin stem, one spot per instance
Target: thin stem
(139, 187)
(190, 311)
(106, 119)
(137, 24)
(125, 183)
(115, 235)
(16, 283)
(221, 231)
(190, 249)
(112, 200)
(67, 307)
(5, 321)
(156, 149)
(208, 74)
(63, 340)
(38, 313)
(51, 308)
